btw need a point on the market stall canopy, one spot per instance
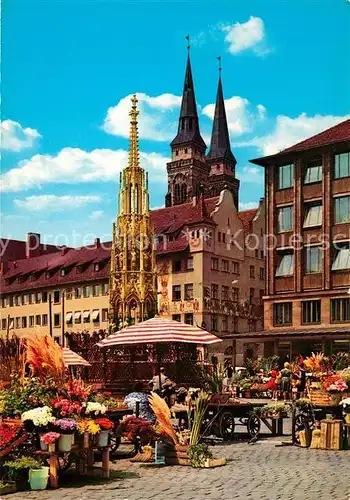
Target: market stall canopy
(71, 358)
(159, 330)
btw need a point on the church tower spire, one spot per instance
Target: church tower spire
(220, 157)
(132, 270)
(188, 168)
(188, 128)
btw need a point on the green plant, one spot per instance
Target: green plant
(245, 384)
(15, 467)
(213, 380)
(266, 364)
(340, 361)
(303, 402)
(200, 408)
(198, 454)
(275, 409)
(251, 366)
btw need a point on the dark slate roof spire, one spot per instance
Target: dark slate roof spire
(220, 147)
(188, 129)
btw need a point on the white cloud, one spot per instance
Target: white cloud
(248, 205)
(157, 118)
(241, 114)
(74, 165)
(13, 137)
(254, 175)
(289, 131)
(55, 203)
(244, 36)
(96, 214)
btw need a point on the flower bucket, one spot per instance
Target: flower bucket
(43, 446)
(65, 442)
(38, 478)
(102, 439)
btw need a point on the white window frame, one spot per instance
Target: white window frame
(341, 260)
(308, 260)
(282, 226)
(286, 265)
(309, 177)
(313, 216)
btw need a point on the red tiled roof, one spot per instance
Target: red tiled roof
(16, 249)
(170, 219)
(44, 271)
(247, 217)
(338, 133)
(52, 263)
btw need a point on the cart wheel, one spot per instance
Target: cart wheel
(114, 442)
(63, 462)
(227, 425)
(253, 425)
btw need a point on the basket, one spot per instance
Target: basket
(320, 397)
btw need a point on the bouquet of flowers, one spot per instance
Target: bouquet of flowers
(104, 423)
(134, 427)
(7, 435)
(66, 425)
(50, 438)
(334, 383)
(77, 390)
(65, 407)
(88, 425)
(95, 408)
(40, 417)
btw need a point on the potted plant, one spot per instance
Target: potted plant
(199, 453)
(49, 440)
(105, 426)
(38, 419)
(38, 477)
(86, 428)
(93, 408)
(245, 385)
(66, 427)
(334, 385)
(18, 471)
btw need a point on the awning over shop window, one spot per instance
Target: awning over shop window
(77, 316)
(95, 315)
(69, 317)
(86, 315)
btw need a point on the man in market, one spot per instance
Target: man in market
(164, 380)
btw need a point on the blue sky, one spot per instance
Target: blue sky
(69, 67)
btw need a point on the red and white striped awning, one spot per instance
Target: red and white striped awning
(157, 330)
(71, 358)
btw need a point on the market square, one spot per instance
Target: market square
(176, 321)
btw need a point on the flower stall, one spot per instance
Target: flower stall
(320, 420)
(51, 417)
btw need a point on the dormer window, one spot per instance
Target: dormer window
(97, 266)
(62, 272)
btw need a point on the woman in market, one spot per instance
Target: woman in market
(139, 396)
(285, 381)
(272, 384)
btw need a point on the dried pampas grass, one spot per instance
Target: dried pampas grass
(44, 357)
(162, 412)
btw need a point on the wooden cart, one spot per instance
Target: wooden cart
(222, 418)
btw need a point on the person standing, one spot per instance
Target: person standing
(285, 381)
(160, 377)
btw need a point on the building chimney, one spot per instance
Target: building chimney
(194, 201)
(97, 242)
(33, 246)
(64, 250)
(4, 267)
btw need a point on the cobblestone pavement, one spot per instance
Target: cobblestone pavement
(262, 471)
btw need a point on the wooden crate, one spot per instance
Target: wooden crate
(319, 397)
(177, 455)
(331, 434)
